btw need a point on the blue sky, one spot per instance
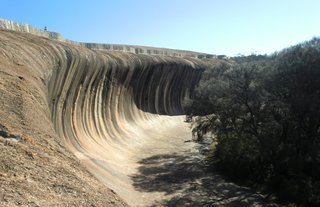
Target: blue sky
(228, 27)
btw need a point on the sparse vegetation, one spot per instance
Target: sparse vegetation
(264, 112)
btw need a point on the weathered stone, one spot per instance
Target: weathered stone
(117, 112)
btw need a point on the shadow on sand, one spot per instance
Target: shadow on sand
(186, 181)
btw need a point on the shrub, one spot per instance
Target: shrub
(265, 114)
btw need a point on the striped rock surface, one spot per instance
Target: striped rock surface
(66, 109)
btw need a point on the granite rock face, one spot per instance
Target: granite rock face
(67, 108)
(36, 168)
(104, 104)
(100, 105)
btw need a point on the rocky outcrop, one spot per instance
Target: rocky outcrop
(100, 105)
(67, 108)
(36, 168)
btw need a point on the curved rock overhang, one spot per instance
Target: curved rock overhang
(102, 104)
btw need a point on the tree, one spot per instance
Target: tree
(265, 114)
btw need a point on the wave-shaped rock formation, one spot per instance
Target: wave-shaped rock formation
(120, 113)
(103, 106)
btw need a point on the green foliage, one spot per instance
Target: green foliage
(265, 114)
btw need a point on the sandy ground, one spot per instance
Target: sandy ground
(172, 172)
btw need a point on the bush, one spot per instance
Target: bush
(265, 114)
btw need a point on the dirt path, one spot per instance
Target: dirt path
(172, 173)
